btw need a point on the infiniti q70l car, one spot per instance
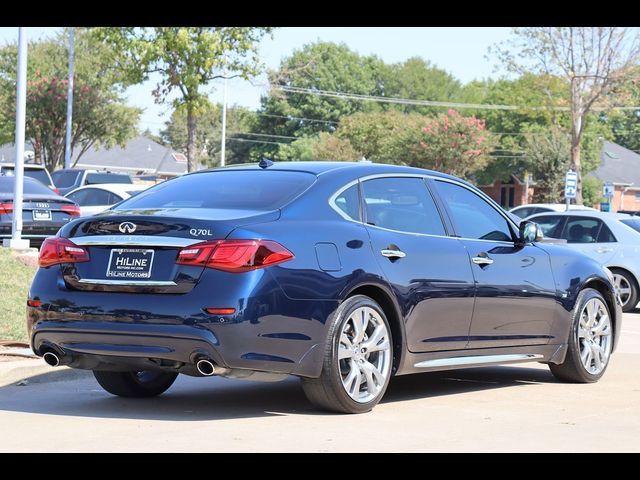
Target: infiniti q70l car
(342, 274)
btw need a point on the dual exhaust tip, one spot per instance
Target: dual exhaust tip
(205, 366)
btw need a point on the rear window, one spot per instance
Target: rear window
(38, 173)
(31, 187)
(235, 190)
(94, 178)
(633, 223)
(64, 179)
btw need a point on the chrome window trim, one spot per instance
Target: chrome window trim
(338, 192)
(135, 240)
(147, 283)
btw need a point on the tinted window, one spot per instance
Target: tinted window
(38, 173)
(402, 204)
(95, 178)
(581, 230)
(236, 190)
(633, 223)
(524, 211)
(551, 225)
(473, 216)
(349, 202)
(92, 197)
(605, 235)
(31, 187)
(65, 179)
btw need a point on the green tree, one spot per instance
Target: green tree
(592, 60)
(207, 142)
(99, 114)
(592, 191)
(187, 60)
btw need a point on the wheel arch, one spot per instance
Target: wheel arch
(389, 305)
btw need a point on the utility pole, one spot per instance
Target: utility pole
(67, 147)
(16, 242)
(224, 122)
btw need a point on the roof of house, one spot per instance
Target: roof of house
(618, 165)
(139, 155)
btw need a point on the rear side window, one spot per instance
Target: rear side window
(349, 203)
(64, 179)
(633, 223)
(95, 178)
(234, 190)
(401, 204)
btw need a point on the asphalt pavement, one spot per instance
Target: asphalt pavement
(511, 408)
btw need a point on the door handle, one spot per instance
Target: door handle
(604, 250)
(482, 260)
(390, 253)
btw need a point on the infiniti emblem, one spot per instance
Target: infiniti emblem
(127, 227)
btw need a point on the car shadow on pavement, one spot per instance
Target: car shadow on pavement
(205, 399)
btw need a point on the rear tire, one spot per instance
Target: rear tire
(627, 288)
(590, 340)
(358, 359)
(141, 384)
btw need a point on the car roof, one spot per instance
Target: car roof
(114, 187)
(31, 166)
(319, 168)
(585, 213)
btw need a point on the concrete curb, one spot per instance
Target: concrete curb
(36, 371)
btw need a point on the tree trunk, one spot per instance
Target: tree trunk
(191, 139)
(576, 134)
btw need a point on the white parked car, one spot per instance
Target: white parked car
(613, 239)
(523, 211)
(94, 199)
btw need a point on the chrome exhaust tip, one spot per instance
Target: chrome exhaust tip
(51, 359)
(206, 367)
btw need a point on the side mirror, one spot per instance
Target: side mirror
(529, 232)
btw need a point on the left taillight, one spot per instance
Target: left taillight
(234, 255)
(57, 250)
(73, 210)
(6, 208)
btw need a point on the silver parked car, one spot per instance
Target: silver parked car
(613, 239)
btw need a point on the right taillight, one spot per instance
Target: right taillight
(61, 250)
(6, 208)
(234, 255)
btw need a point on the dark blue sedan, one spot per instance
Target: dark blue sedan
(343, 274)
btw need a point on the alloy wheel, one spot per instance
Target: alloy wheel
(594, 336)
(623, 288)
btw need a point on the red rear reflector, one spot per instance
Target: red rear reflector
(73, 210)
(56, 189)
(34, 303)
(234, 255)
(220, 311)
(6, 208)
(61, 250)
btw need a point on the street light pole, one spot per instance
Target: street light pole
(16, 241)
(67, 146)
(224, 122)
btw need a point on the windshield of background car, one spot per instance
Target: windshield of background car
(235, 190)
(31, 187)
(633, 223)
(37, 173)
(64, 179)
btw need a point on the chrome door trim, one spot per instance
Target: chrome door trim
(134, 240)
(392, 253)
(482, 260)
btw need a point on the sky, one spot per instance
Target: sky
(460, 51)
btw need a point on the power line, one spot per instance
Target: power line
(256, 141)
(264, 135)
(426, 103)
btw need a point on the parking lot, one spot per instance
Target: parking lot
(515, 408)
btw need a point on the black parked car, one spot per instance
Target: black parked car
(43, 211)
(343, 274)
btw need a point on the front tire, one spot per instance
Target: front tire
(590, 340)
(141, 384)
(357, 361)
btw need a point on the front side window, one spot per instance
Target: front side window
(586, 230)
(401, 204)
(473, 216)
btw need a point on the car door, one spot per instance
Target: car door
(515, 290)
(428, 270)
(591, 236)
